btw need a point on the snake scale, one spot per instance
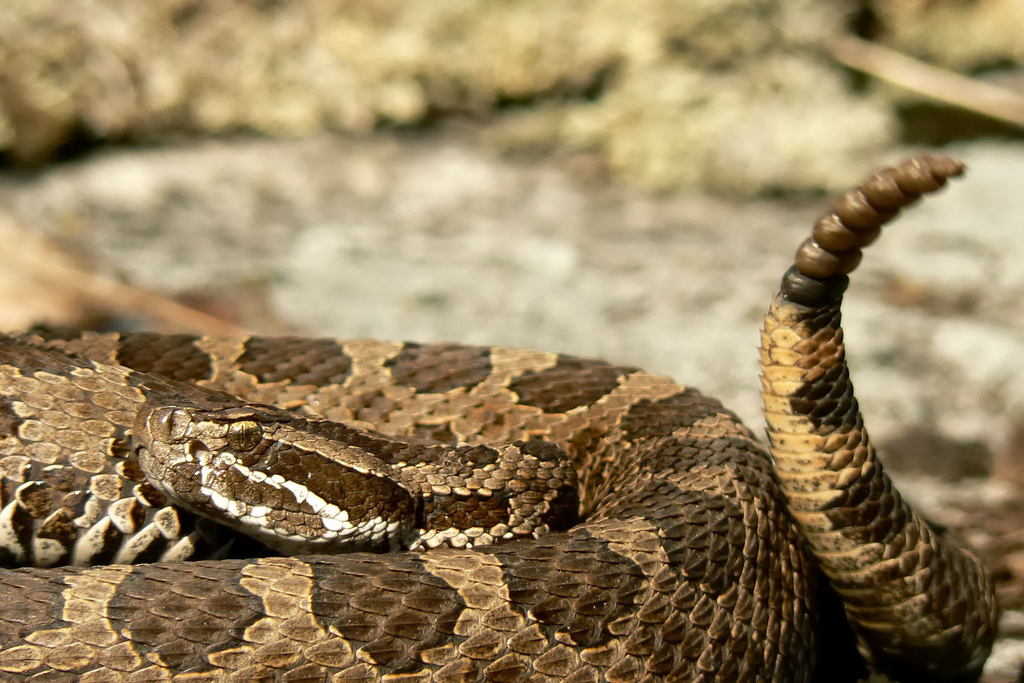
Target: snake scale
(547, 517)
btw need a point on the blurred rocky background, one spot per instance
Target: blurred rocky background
(592, 178)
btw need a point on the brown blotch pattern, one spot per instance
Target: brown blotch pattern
(296, 360)
(437, 368)
(169, 355)
(465, 512)
(659, 418)
(570, 383)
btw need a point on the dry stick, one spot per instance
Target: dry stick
(132, 300)
(945, 86)
(114, 295)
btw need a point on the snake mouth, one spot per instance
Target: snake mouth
(287, 515)
(222, 473)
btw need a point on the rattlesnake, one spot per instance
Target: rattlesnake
(693, 557)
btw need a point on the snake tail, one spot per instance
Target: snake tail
(921, 604)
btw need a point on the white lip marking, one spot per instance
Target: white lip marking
(332, 524)
(298, 490)
(316, 502)
(219, 500)
(336, 525)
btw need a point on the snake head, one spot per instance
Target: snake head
(290, 482)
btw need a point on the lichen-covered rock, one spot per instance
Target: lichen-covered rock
(668, 93)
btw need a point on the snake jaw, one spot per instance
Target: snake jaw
(269, 474)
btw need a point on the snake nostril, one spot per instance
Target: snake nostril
(168, 424)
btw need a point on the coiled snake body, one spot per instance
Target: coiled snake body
(644, 533)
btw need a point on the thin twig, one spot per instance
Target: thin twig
(39, 260)
(938, 84)
(131, 300)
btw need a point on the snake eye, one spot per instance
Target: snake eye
(243, 435)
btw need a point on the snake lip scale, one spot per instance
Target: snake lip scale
(181, 508)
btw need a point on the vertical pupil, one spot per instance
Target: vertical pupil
(243, 435)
